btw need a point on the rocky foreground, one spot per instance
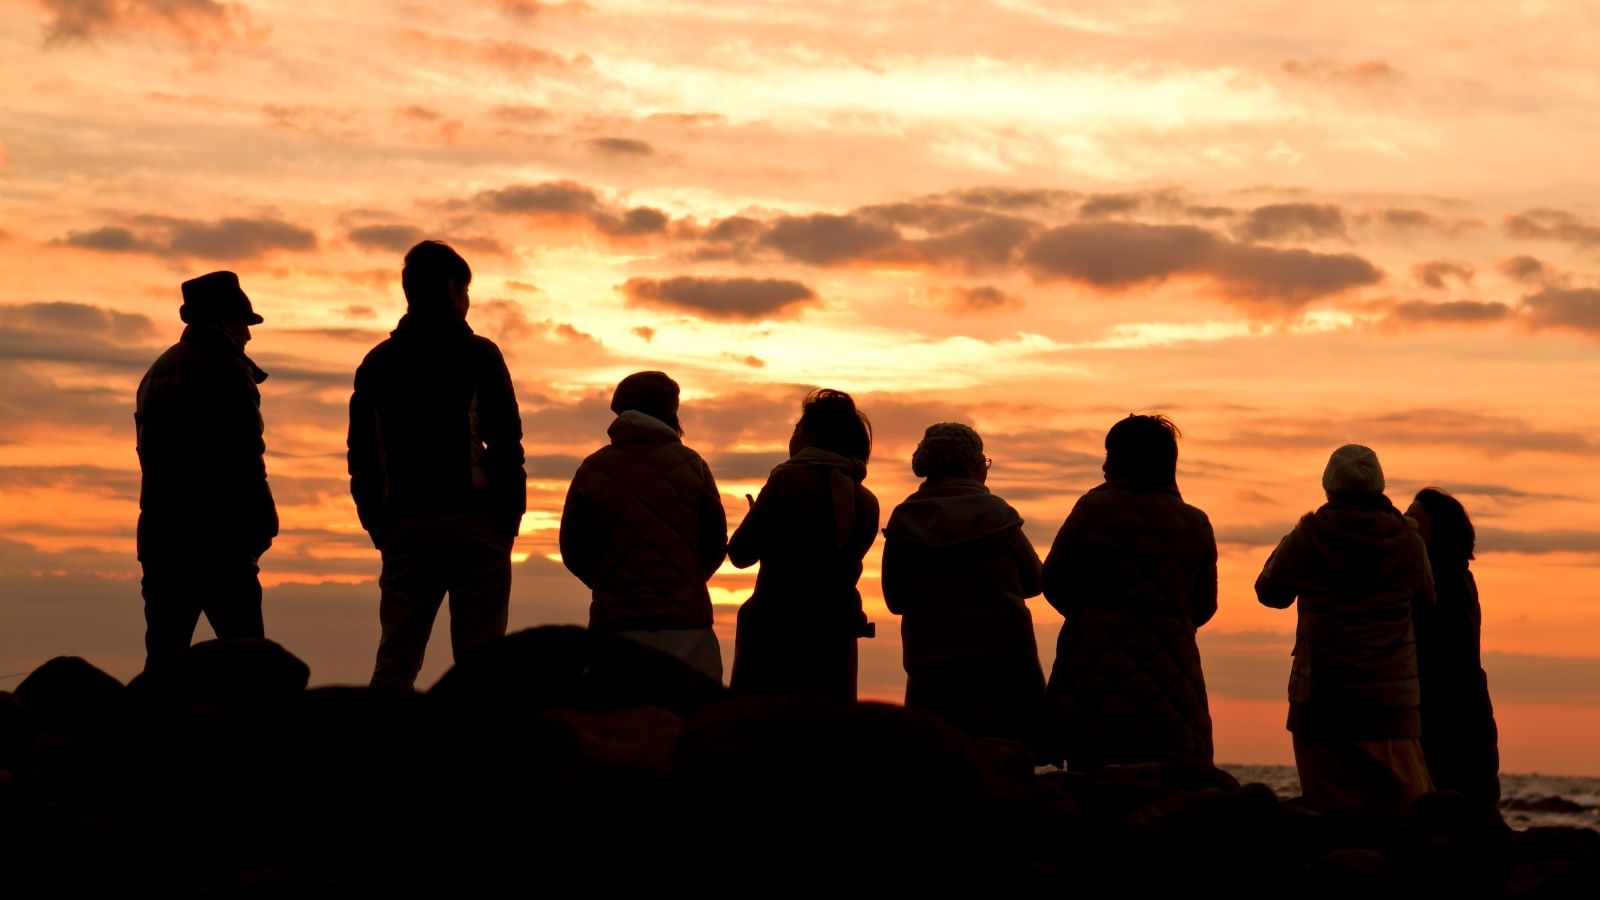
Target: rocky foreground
(559, 762)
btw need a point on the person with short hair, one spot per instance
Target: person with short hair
(206, 513)
(1134, 573)
(1360, 572)
(809, 528)
(958, 571)
(643, 528)
(436, 468)
(1460, 740)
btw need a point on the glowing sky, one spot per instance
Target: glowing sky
(1287, 225)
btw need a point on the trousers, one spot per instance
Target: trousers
(423, 560)
(179, 586)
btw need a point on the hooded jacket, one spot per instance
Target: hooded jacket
(201, 450)
(435, 429)
(643, 527)
(958, 569)
(1134, 572)
(1359, 570)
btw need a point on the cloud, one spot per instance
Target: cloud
(644, 331)
(1489, 435)
(1292, 221)
(77, 319)
(1367, 73)
(824, 239)
(1525, 269)
(1576, 309)
(196, 22)
(532, 9)
(119, 483)
(726, 299)
(1459, 312)
(74, 333)
(568, 202)
(616, 146)
(1011, 200)
(1502, 540)
(1121, 255)
(388, 238)
(984, 298)
(1433, 274)
(230, 238)
(508, 55)
(1099, 206)
(1552, 225)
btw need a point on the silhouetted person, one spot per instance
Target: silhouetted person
(1134, 572)
(205, 511)
(436, 468)
(1459, 738)
(1360, 570)
(958, 570)
(809, 529)
(643, 527)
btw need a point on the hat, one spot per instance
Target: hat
(652, 393)
(216, 297)
(1353, 469)
(947, 448)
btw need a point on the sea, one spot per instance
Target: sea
(1525, 800)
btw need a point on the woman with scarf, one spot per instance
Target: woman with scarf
(809, 529)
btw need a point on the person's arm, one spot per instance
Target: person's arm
(713, 524)
(1056, 573)
(363, 459)
(1204, 599)
(578, 539)
(1029, 568)
(226, 403)
(749, 539)
(896, 566)
(1275, 586)
(500, 429)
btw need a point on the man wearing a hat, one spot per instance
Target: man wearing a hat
(436, 468)
(205, 511)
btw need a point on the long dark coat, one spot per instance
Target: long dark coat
(643, 527)
(201, 451)
(1134, 571)
(1459, 737)
(809, 528)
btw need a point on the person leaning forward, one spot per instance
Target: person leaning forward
(436, 468)
(206, 513)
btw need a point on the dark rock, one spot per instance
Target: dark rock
(68, 694)
(1555, 842)
(248, 671)
(638, 739)
(1544, 805)
(1353, 871)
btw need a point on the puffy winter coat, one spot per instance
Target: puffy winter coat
(809, 529)
(201, 450)
(958, 569)
(1134, 572)
(644, 528)
(1359, 569)
(434, 429)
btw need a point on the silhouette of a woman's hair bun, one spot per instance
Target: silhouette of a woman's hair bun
(835, 423)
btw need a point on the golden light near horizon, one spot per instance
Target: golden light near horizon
(1287, 225)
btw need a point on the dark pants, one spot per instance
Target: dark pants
(999, 698)
(424, 559)
(225, 585)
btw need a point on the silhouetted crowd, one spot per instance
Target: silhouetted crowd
(1387, 696)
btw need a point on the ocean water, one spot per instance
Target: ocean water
(1525, 800)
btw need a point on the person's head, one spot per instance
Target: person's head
(950, 450)
(830, 421)
(1444, 525)
(1143, 448)
(435, 279)
(1353, 469)
(217, 299)
(651, 393)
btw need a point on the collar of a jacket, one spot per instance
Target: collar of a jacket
(1137, 486)
(214, 340)
(634, 427)
(430, 326)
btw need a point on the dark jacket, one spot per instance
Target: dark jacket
(434, 429)
(1359, 569)
(201, 450)
(644, 528)
(809, 529)
(1134, 572)
(1459, 737)
(958, 569)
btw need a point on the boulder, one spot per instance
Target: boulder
(250, 671)
(70, 695)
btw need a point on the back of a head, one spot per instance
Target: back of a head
(837, 426)
(948, 450)
(1143, 448)
(1353, 469)
(431, 269)
(1451, 537)
(653, 393)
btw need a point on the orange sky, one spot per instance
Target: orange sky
(1287, 225)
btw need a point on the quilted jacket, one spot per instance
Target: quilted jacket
(1134, 571)
(1359, 569)
(644, 528)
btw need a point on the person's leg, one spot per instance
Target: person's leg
(171, 608)
(479, 584)
(412, 586)
(233, 603)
